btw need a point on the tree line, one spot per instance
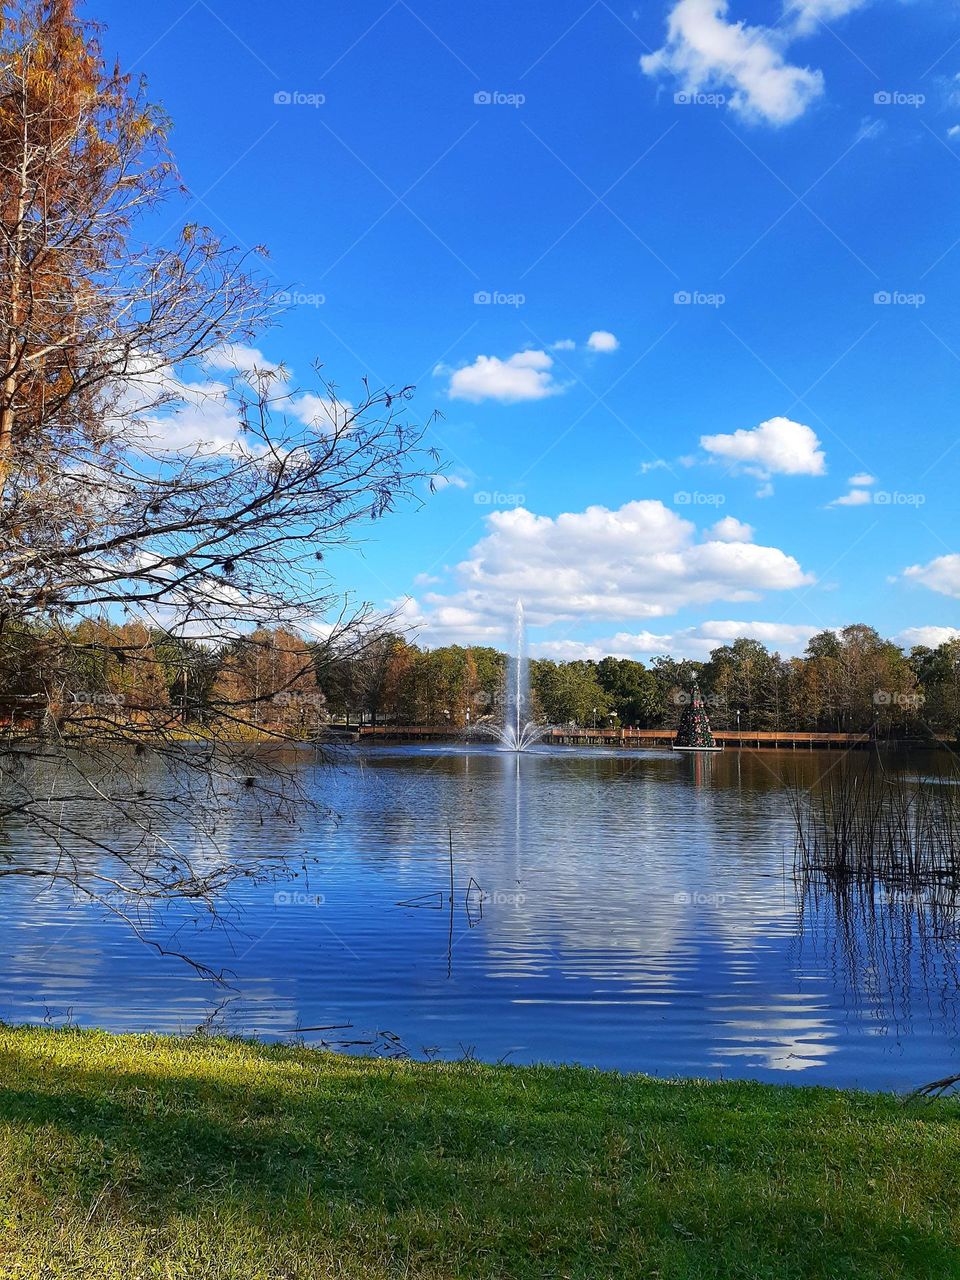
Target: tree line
(276, 682)
(851, 680)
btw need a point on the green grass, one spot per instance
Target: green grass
(143, 1156)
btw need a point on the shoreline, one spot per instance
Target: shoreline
(201, 1156)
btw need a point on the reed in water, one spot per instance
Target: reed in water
(881, 826)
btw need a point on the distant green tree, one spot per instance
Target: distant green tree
(672, 681)
(569, 692)
(743, 677)
(937, 671)
(864, 683)
(630, 690)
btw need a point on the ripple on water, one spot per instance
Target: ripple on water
(631, 910)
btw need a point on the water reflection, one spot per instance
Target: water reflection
(634, 910)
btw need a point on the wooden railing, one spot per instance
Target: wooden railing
(740, 739)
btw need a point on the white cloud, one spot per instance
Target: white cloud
(929, 636)
(204, 415)
(524, 376)
(777, 447)
(730, 529)
(320, 412)
(208, 424)
(954, 131)
(234, 357)
(565, 344)
(807, 14)
(188, 415)
(449, 624)
(451, 481)
(855, 498)
(941, 574)
(705, 51)
(862, 479)
(602, 340)
(776, 635)
(688, 642)
(640, 561)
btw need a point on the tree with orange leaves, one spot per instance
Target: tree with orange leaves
(103, 514)
(82, 157)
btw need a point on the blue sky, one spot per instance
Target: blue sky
(722, 246)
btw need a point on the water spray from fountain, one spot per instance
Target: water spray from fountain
(517, 730)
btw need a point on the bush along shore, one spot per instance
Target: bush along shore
(148, 1156)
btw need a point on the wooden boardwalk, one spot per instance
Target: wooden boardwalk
(731, 739)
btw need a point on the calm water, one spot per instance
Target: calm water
(631, 910)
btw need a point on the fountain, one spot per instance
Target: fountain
(517, 730)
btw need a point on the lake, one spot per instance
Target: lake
(634, 910)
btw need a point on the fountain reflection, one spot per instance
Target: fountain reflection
(609, 908)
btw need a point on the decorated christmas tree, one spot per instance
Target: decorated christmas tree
(693, 731)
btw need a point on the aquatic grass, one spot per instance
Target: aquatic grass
(145, 1156)
(878, 826)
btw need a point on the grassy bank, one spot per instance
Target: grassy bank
(128, 1157)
